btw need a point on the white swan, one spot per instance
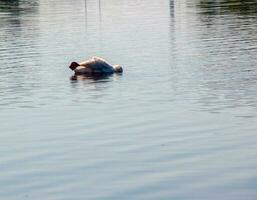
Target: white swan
(95, 66)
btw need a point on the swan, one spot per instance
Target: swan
(95, 66)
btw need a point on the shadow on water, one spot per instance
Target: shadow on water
(18, 6)
(11, 5)
(19, 31)
(16, 14)
(238, 7)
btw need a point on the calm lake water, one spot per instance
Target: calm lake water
(180, 123)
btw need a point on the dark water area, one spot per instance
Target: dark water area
(180, 123)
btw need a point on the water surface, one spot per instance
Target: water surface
(180, 123)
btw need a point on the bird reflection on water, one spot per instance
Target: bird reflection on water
(86, 79)
(100, 78)
(97, 88)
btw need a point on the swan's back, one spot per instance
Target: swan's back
(98, 65)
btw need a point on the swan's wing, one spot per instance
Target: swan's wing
(97, 64)
(101, 65)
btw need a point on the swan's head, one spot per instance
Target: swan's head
(73, 65)
(118, 68)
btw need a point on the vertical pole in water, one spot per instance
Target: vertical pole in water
(100, 11)
(86, 28)
(172, 8)
(86, 14)
(171, 30)
(100, 24)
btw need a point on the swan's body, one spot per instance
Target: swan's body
(95, 66)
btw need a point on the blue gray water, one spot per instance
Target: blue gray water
(180, 123)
